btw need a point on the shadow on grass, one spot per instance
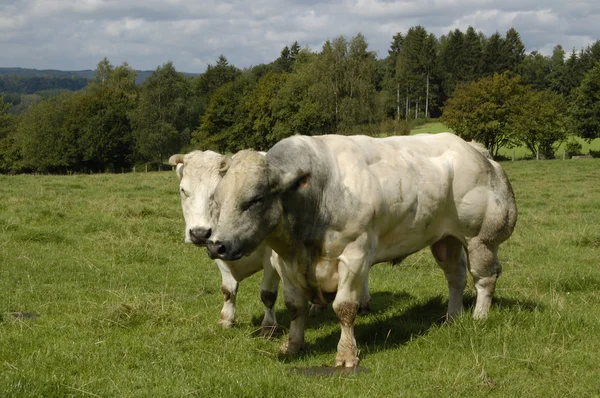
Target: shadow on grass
(383, 329)
(380, 302)
(503, 303)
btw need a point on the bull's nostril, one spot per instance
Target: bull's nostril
(221, 248)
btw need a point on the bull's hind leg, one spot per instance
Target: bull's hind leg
(450, 256)
(268, 295)
(229, 288)
(485, 268)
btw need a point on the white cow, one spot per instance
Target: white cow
(199, 175)
(331, 206)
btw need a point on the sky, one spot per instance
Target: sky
(77, 34)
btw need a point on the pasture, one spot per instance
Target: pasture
(99, 296)
(521, 152)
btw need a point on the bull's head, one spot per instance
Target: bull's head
(248, 204)
(199, 175)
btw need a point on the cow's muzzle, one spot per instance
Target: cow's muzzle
(199, 236)
(222, 250)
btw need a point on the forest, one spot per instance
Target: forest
(484, 88)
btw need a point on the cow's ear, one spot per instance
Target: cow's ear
(177, 161)
(284, 182)
(224, 165)
(179, 170)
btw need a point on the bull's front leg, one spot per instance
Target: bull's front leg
(268, 295)
(296, 303)
(353, 271)
(229, 288)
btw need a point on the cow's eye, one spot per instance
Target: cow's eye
(183, 192)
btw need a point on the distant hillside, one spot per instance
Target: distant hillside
(87, 74)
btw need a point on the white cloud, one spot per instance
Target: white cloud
(76, 34)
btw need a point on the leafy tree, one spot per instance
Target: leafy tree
(162, 118)
(482, 110)
(9, 154)
(47, 142)
(390, 92)
(541, 122)
(586, 105)
(358, 103)
(260, 107)
(105, 134)
(226, 125)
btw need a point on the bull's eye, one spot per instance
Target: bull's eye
(183, 192)
(254, 202)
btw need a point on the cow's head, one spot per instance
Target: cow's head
(199, 175)
(248, 204)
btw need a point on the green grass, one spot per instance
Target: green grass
(521, 152)
(127, 309)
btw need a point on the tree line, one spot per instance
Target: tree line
(483, 87)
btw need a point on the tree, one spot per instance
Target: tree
(46, 137)
(358, 103)
(161, 120)
(536, 70)
(472, 55)
(9, 153)
(482, 110)
(514, 51)
(260, 109)
(585, 109)
(541, 122)
(494, 56)
(103, 127)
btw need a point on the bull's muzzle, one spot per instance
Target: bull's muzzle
(199, 236)
(222, 250)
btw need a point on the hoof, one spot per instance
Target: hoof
(364, 309)
(316, 308)
(289, 348)
(346, 362)
(268, 331)
(225, 323)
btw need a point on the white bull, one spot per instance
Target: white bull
(199, 175)
(331, 206)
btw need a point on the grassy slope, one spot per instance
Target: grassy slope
(127, 309)
(520, 152)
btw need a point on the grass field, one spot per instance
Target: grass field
(100, 297)
(520, 152)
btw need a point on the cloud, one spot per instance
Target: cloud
(76, 34)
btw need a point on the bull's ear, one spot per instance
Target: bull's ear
(283, 182)
(224, 165)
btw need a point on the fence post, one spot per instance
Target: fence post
(513, 155)
(537, 155)
(564, 154)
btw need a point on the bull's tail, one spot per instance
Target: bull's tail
(481, 149)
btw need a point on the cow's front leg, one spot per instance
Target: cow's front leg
(268, 295)
(229, 287)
